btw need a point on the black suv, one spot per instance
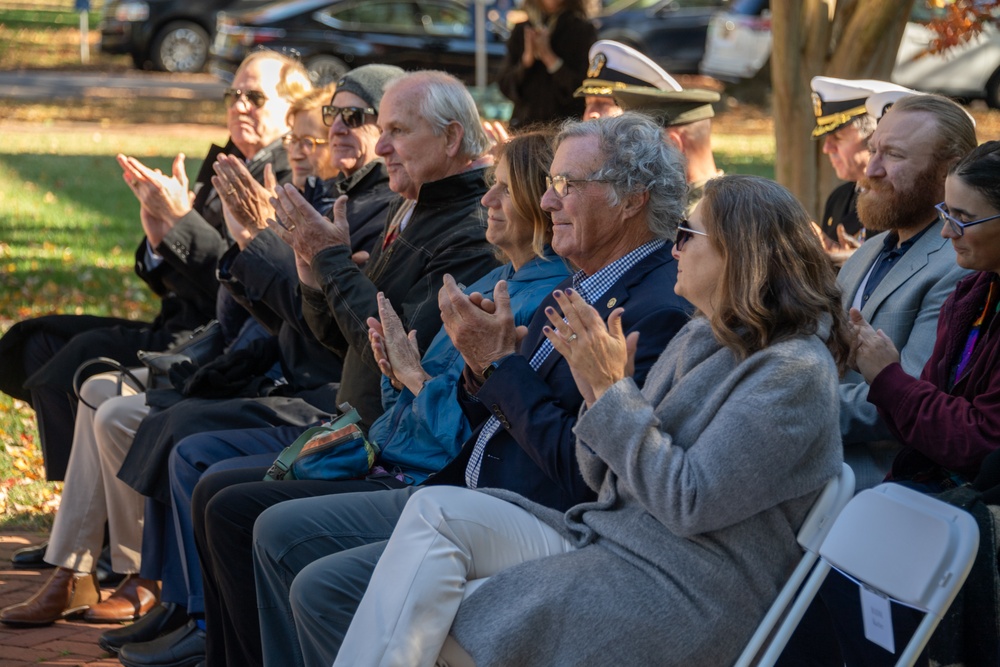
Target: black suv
(167, 35)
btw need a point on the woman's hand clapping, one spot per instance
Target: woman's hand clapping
(598, 355)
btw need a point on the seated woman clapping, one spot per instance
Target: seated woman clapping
(948, 420)
(704, 475)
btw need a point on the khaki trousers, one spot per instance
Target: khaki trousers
(92, 493)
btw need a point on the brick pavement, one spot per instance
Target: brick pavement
(65, 643)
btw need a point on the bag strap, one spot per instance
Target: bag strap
(279, 469)
(123, 373)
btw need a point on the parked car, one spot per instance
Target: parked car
(671, 32)
(970, 70)
(739, 45)
(166, 35)
(333, 36)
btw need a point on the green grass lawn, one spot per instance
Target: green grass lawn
(68, 231)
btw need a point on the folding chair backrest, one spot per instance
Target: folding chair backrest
(911, 547)
(814, 529)
(902, 544)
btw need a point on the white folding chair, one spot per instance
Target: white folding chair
(903, 545)
(828, 505)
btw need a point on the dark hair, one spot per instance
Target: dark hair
(980, 170)
(776, 282)
(528, 156)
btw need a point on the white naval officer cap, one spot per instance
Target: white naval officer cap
(836, 102)
(615, 66)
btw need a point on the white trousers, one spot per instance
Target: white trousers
(92, 493)
(446, 537)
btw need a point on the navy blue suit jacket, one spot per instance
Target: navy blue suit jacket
(533, 454)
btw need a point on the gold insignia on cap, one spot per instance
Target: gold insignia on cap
(611, 302)
(596, 65)
(817, 105)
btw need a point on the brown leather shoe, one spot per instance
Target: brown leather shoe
(132, 599)
(65, 594)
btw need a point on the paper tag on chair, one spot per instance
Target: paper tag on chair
(876, 613)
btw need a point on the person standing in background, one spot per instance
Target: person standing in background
(546, 62)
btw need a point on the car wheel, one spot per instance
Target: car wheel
(326, 69)
(993, 90)
(181, 46)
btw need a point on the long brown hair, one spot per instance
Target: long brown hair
(776, 282)
(528, 156)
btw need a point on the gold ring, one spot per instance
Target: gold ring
(231, 191)
(572, 337)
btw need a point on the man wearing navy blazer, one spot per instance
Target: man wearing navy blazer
(616, 196)
(899, 278)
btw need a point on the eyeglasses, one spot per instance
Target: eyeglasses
(306, 144)
(353, 117)
(254, 97)
(685, 234)
(560, 184)
(954, 223)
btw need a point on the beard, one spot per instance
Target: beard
(882, 207)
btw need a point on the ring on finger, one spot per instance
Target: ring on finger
(231, 191)
(572, 337)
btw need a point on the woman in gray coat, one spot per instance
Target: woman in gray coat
(704, 476)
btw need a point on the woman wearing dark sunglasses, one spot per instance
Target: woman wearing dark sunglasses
(948, 420)
(704, 475)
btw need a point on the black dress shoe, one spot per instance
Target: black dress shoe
(106, 575)
(184, 647)
(31, 558)
(162, 619)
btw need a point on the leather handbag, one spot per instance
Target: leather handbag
(337, 449)
(203, 344)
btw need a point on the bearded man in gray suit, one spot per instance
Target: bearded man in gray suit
(899, 278)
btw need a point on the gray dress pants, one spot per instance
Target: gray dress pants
(313, 558)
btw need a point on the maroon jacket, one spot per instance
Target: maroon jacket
(944, 430)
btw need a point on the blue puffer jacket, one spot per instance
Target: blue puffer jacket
(418, 435)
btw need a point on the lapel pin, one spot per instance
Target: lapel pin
(612, 302)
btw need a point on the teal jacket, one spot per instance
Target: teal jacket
(418, 435)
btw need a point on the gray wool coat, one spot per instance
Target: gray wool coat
(704, 478)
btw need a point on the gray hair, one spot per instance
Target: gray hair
(637, 159)
(865, 124)
(446, 100)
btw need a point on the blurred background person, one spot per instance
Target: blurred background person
(546, 62)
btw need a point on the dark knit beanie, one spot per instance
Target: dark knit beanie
(368, 82)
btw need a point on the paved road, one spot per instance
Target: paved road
(47, 85)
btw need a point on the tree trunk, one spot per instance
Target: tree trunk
(850, 39)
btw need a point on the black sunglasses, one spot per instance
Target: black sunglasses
(685, 234)
(353, 117)
(254, 97)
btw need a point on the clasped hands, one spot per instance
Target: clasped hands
(163, 199)
(483, 332)
(871, 350)
(840, 250)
